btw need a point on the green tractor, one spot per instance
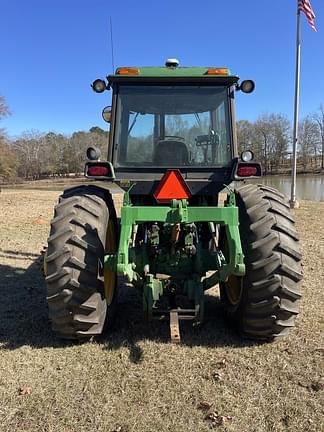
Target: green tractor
(188, 221)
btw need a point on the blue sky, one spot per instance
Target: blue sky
(51, 50)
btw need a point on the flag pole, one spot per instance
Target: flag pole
(293, 201)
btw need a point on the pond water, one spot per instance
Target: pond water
(308, 187)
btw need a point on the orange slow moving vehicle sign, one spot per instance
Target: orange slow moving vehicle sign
(172, 186)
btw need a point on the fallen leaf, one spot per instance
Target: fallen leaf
(316, 386)
(215, 419)
(285, 420)
(39, 221)
(217, 376)
(221, 363)
(120, 429)
(24, 391)
(204, 406)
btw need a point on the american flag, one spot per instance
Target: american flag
(306, 7)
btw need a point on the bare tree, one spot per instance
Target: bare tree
(263, 131)
(99, 138)
(8, 162)
(4, 109)
(268, 138)
(55, 154)
(275, 130)
(308, 140)
(319, 118)
(246, 137)
(8, 159)
(29, 151)
(4, 112)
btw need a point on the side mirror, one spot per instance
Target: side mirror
(106, 114)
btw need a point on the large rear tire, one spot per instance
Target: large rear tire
(264, 303)
(83, 228)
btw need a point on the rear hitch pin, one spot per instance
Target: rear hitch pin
(174, 327)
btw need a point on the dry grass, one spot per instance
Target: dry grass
(134, 379)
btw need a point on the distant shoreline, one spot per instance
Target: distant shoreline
(81, 179)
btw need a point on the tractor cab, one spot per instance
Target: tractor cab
(173, 118)
(171, 125)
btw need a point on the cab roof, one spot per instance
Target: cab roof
(217, 75)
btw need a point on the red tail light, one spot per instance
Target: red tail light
(247, 170)
(99, 169)
(95, 171)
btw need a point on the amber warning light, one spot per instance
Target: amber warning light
(172, 186)
(128, 71)
(217, 71)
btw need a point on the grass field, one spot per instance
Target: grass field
(133, 379)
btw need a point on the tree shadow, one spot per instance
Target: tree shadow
(24, 318)
(17, 255)
(130, 328)
(23, 310)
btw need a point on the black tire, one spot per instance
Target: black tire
(270, 292)
(74, 263)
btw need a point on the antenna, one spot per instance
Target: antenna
(112, 46)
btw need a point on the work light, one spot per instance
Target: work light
(99, 86)
(93, 153)
(247, 156)
(247, 86)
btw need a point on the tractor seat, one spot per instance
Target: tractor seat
(168, 153)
